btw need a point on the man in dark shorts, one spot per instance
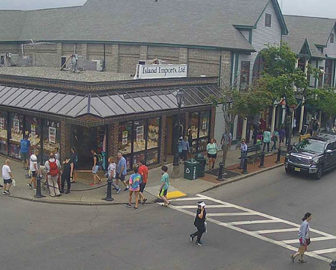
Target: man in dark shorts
(7, 177)
(24, 151)
(33, 166)
(66, 174)
(143, 171)
(121, 171)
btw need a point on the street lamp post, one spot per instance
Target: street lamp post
(176, 163)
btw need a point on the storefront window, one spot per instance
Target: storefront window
(152, 157)
(51, 138)
(3, 133)
(16, 121)
(194, 125)
(202, 145)
(137, 157)
(125, 138)
(139, 143)
(153, 133)
(33, 130)
(204, 124)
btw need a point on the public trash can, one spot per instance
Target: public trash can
(201, 167)
(190, 169)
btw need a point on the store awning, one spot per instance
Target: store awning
(105, 104)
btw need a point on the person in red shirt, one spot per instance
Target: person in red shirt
(143, 171)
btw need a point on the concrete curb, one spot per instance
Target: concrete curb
(241, 177)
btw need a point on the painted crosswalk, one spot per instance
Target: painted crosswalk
(259, 225)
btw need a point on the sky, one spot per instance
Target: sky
(317, 8)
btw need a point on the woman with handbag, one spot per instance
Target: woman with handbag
(304, 238)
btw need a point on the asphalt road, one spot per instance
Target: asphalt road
(43, 236)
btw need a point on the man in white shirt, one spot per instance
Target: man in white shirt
(33, 166)
(7, 177)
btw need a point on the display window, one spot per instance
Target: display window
(16, 134)
(153, 133)
(33, 129)
(194, 124)
(204, 124)
(152, 157)
(3, 133)
(137, 157)
(51, 138)
(139, 143)
(199, 126)
(125, 137)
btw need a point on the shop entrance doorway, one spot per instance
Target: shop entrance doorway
(84, 139)
(173, 134)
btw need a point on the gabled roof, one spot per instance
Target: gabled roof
(176, 22)
(315, 31)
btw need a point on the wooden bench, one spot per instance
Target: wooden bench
(253, 152)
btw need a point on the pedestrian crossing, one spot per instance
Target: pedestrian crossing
(259, 225)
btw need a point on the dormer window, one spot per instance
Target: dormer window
(268, 20)
(332, 38)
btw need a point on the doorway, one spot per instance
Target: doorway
(84, 140)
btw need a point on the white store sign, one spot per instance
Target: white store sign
(161, 71)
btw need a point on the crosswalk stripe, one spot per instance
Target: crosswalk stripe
(276, 231)
(187, 199)
(324, 251)
(195, 206)
(230, 214)
(314, 239)
(247, 222)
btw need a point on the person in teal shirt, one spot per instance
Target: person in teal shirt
(164, 186)
(267, 139)
(212, 153)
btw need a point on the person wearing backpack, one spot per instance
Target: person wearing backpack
(52, 168)
(95, 168)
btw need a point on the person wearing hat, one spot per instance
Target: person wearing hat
(199, 223)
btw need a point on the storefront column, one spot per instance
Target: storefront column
(163, 143)
(244, 129)
(65, 139)
(113, 132)
(273, 119)
(235, 127)
(212, 123)
(302, 114)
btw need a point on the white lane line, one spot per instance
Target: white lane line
(232, 227)
(263, 215)
(195, 206)
(187, 199)
(276, 231)
(247, 222)
(230, 214)
(314, 239)
(324, 251)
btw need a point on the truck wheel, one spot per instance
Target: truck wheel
(287, 170)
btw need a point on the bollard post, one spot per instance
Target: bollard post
(262, 160)
(109, 191)
(220, 172)
(245, 166)
(278, 156)
(38, 188)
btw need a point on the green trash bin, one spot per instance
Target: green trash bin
(190, 169)
(201, 167)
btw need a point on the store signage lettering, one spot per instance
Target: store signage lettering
(161, 71)
(52, 135)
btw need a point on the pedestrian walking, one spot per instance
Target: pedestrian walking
(52, 167)
(212, 153)
(122, 171)
(134, 187)
(7, 177)
(95, 168)
(24, 151)
(275, 139)
(57, 154)
(304, 238)
(226, 144)
(143, 171)
(111, 173)
(190, 140)
(164, 186)
(199, 223)
(74, 164)
(185, 149)
(180, 147)
(282, 135)
(266, 139)
(243, 153)
(34, 168)
(66, 174)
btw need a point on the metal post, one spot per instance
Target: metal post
(220, 172)
(176, 162)
(278, 156)
(262, 160)
(109, 191)
(245, 166)
(38, 187)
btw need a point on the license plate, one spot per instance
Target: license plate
(297, 169)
